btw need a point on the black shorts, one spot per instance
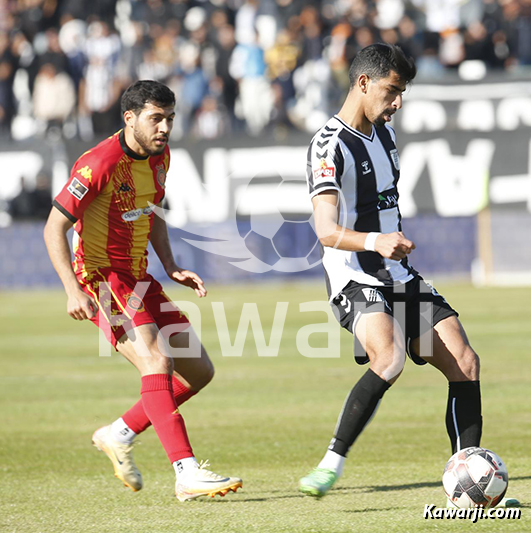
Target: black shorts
(416, 305)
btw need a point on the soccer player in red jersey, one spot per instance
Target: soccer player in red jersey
(111, 198)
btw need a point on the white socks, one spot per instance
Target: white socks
(120, 432)
(333, 461)
(183, 466)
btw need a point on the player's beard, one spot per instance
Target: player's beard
(144, 142)
(380, 120)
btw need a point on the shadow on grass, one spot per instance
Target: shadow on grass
(365, 510)
(262, 499)
(412, 486)
(367, 488)
(519, 478)
(406, 486)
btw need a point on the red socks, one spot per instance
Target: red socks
(161, 409)
(136, 418)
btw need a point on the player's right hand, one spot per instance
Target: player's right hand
(393, 245)
(81, 306)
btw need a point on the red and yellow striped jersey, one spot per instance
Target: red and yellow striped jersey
(110, 197)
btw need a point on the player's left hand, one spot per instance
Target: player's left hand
(189, 279)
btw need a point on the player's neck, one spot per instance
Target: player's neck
(352, 114)
(132, 144)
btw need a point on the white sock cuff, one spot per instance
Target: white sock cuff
(333, 461)
(121, 432)
(182, 466)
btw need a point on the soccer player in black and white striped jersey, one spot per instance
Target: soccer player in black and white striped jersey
(353, 170)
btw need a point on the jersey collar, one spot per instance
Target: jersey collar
(356, 132)
(128, 151)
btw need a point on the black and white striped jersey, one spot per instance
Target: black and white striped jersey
(365, 171)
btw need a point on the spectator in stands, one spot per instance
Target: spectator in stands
(478, 45)
(72, 41)
(52, 52)
(194, 82)
(281, 61)
(248, 68)
(47, 107)
(231, 38)
(8, 66)
(312, 40)
(32, 204)
(100, 90)
(229, 87)
(20, 206)
(210, 122)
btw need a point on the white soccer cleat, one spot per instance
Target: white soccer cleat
(121, 456)
(202, 482)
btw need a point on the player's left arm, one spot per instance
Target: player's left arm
(161, 244)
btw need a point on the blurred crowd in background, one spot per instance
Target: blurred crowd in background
(236, 66)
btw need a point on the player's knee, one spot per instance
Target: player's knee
(469, 363)
(393, 371)
(389, 365)
(158, 363)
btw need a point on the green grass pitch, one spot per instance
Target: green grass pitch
(265, 419)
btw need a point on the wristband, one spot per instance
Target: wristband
(370, 241)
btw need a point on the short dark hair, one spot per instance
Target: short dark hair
(377, 60)
(137, 95)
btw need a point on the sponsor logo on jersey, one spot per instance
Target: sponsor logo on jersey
(86, 172)
(394, 157)
(161, 174)
(77, 189)
(124, 187)
(366, 167)
(387, 201)
(134, 302)
(373, 295)
(324, 171)
(135, 214)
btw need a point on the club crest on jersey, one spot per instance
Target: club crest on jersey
(366, 167)
(394, 157)
(324, 171)
(77, 189)
(161, 175)
(134, 302)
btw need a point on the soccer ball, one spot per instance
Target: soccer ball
(475, 477)
(281, 240)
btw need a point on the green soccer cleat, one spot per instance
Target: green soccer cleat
(509, 502)
(318, 482)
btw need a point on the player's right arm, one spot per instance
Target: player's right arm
(326, 214)
(80, 306)
(86, 182)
